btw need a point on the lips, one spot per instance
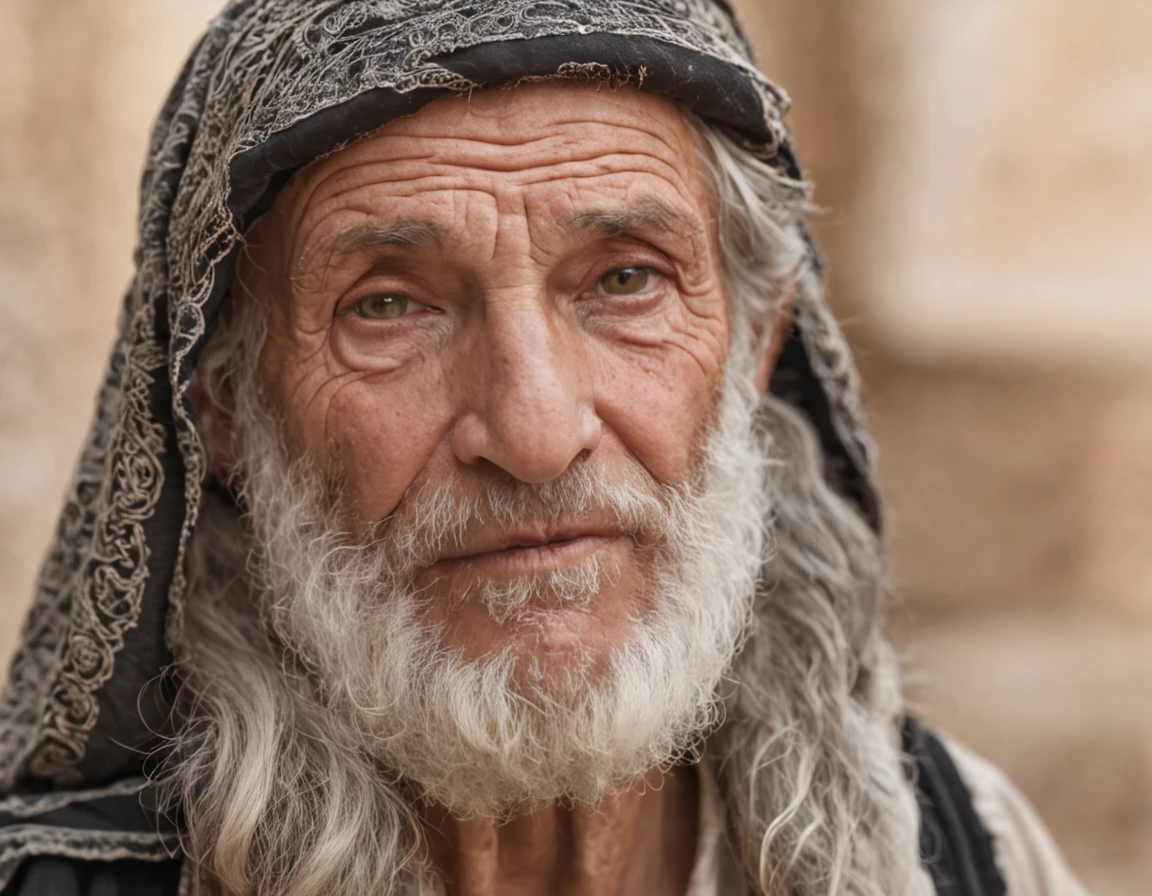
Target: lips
(529, 553)
(528, 540)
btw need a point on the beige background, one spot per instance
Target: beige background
(984, 172)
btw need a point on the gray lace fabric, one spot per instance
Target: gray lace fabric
(271, 85)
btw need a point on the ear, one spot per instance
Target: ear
(781, 329)
(215, 409)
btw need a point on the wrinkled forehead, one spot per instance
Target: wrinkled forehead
(556, 143)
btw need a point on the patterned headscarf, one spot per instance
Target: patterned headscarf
(272, 85)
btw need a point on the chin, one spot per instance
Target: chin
(553, 650)
(563, 651)
(552, 628)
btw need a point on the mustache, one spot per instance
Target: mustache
(433, 519)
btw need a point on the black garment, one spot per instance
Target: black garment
(54, 876)
(954, 844)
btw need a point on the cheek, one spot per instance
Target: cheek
(386, 432)
(659, 396)
(374, 430)
(384, 446)
(376, 433)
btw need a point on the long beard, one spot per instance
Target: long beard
(484, 736)
(277, 773)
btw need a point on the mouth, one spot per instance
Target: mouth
(529, 555)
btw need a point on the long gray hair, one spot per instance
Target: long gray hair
(807, 753)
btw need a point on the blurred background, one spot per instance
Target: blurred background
(984, 178)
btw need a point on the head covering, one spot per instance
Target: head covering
(272, 85)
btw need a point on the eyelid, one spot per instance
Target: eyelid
(642, 253)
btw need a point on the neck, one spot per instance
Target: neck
(637, 841)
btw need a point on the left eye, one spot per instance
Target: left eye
(384, 306)
(625, 281)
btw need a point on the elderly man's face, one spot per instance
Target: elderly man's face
(496, 289)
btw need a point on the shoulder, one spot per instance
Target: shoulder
(1024, 851)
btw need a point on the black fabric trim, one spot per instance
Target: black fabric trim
(710, 87)
(121, 813)
(93, 859)
(56, 876)
(954, 844)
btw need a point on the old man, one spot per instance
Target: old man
(478, 501)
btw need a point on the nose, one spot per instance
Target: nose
(532, 412)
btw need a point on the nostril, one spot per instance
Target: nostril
(533, 434)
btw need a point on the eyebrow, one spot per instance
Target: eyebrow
(647, 214)
(365, 237)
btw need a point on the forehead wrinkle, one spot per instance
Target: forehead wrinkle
(312, 187)
(570, 149)
(398, 177)
(368, 236)
(608, 161)
(312, 180)
(324, 191)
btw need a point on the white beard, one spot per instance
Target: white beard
(470, 734)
